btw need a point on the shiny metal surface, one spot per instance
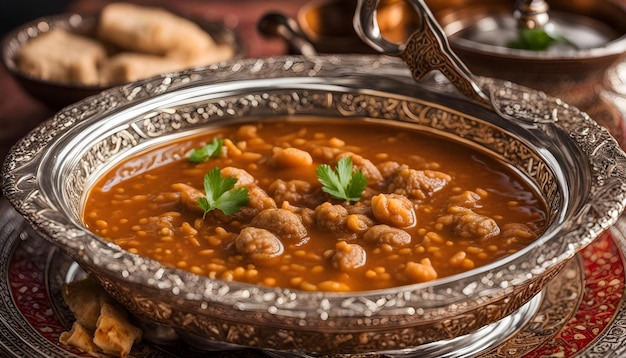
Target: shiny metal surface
(531, 14)
(574, 164)
(427, 49)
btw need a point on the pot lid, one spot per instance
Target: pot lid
(537, 29)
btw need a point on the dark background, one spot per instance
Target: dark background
(16, 12)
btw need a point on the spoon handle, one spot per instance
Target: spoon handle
(427, 49)
(276, 24)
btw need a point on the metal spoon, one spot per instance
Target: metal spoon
(276, 24)
(427, 49)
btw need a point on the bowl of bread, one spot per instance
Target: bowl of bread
(64, 58)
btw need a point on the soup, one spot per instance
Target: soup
(310, 205)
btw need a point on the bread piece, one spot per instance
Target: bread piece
(85, 299)
(115, 335)
(61, 56)
(152, 30)
(101, 325)
(130, 66)
(217, 53)
(81, 338)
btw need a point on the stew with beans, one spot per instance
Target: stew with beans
(430, 208)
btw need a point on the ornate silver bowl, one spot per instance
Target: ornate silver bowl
(575, 165)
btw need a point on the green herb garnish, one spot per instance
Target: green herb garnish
(342, 183)
(211, 150)
(221, 195)
(536, 40)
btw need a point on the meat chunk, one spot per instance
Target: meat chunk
(389, 168)
(307, 215)
(360, 208)
(286, 225)
(359, 223)
(243, 177)
(385, 234)
(296, 192)
(166, 201)
(368, 168)
(331, 217)
(417, 184)
(393, 209)
(467, 224)
(167, 221)
(259, 245)
(348, 257)
(258, 201)
(189, 196)
(467, 199)
(324, 153)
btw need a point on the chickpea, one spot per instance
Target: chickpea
(291, 157)
(422, 271)
(394, 210)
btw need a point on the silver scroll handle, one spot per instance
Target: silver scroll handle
(427, 49)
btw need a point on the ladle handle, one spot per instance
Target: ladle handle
(426, 49)
(276, 24)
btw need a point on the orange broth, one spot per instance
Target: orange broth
(432, 208)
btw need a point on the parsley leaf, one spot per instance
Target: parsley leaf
(537, 40)
(221, 195)
(342, 183)
(211, 150)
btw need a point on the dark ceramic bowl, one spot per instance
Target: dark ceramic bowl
(473, 28)
(57, 95)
